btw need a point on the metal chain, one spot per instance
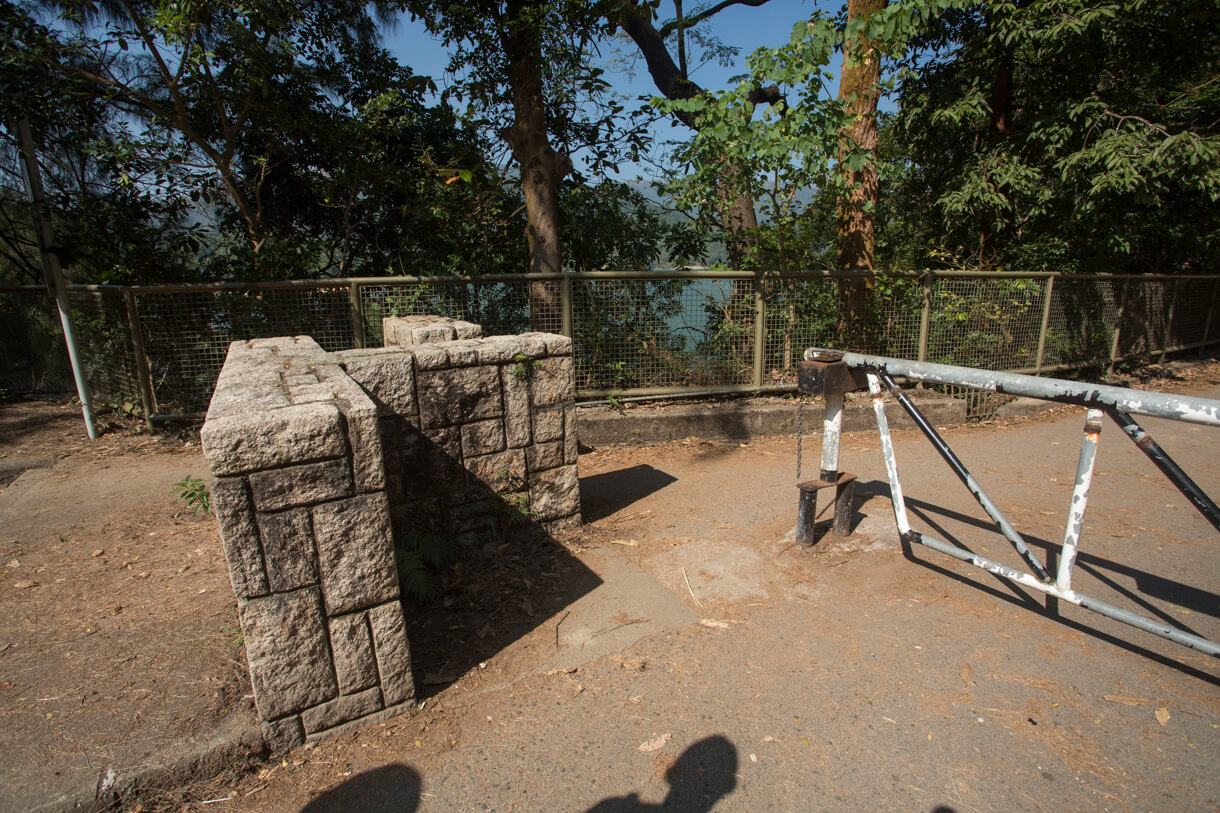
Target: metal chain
(800, 433)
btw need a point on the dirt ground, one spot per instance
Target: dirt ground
(680, 634)
(119, 641)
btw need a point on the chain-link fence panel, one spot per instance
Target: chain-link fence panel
(103, 338)
(630, 333)
(1080, 327)
(646, 334)
(33, 358)
(187, 333)
(1142, 327)
(1192, 302)
(502, 308)
(987, 323)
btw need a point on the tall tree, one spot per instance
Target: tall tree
(1068, 135)
(672, 78)
(859, 91)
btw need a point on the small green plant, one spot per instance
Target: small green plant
(523, 370)
(514, 511)
(616, 403)
(194, 492)
(418, 555)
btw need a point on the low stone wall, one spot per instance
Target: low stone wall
(319, 459)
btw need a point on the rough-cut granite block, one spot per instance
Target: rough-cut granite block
(458, 395)
(482, 437)
(306, 484)
(341, 710)
(551, 381)
(282, 735)
(501, 472)
(231, 502)
(288, 547)
(548, 424)
(555, 493)
(393, 654)
(363, 431)
(544, 455)
(280, 437)
(355, 553)
(387, 375)
(516, 408)
(556, 344)
(352, 646)
(285, 636)
(571, 448)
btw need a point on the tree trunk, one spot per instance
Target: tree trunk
(542, 169)
(859, 88)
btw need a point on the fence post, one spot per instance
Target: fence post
(760, 329)
(1173, 303)
(565, 305)
(143, 377)
(1046, 318)
(925, 317)
(1118, 324)
(353, 298)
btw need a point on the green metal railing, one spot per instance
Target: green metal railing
(653, 333)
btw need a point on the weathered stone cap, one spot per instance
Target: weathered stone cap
(408, 331)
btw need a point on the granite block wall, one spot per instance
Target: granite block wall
(318, 459)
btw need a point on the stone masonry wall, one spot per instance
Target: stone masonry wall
(319, 458)
(299, 493)
(474, 427)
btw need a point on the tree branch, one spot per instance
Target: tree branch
(691, 22)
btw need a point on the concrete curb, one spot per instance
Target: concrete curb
(742, 420)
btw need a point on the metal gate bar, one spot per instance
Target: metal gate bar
(825, 372)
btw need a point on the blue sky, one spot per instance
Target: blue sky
(744, 27)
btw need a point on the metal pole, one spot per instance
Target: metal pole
(359, 336)
(1186, 408)
(972, 485)
(137, 346)
(50, 264)
(891, 462)
(760, 330)
(1046, 318)
(1080, 497)
(1189, 488)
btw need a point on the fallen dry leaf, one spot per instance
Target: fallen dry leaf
(964, 673)
(1126, 701)
(1162, 715)
(653, 745)
(25, 584)
(717, 625)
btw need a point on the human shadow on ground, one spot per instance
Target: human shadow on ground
(1148, 584)
(603, 494)
(703, 774)
(389, 789)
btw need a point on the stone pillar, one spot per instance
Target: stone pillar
(299, 493)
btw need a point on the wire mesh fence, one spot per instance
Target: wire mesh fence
(633, 333)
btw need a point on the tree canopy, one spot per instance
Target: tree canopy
(213, 141)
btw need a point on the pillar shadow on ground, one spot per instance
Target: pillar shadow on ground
(604, 494)
(1146, 584)
(703, 774)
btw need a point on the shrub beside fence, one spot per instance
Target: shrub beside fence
(158, 350)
